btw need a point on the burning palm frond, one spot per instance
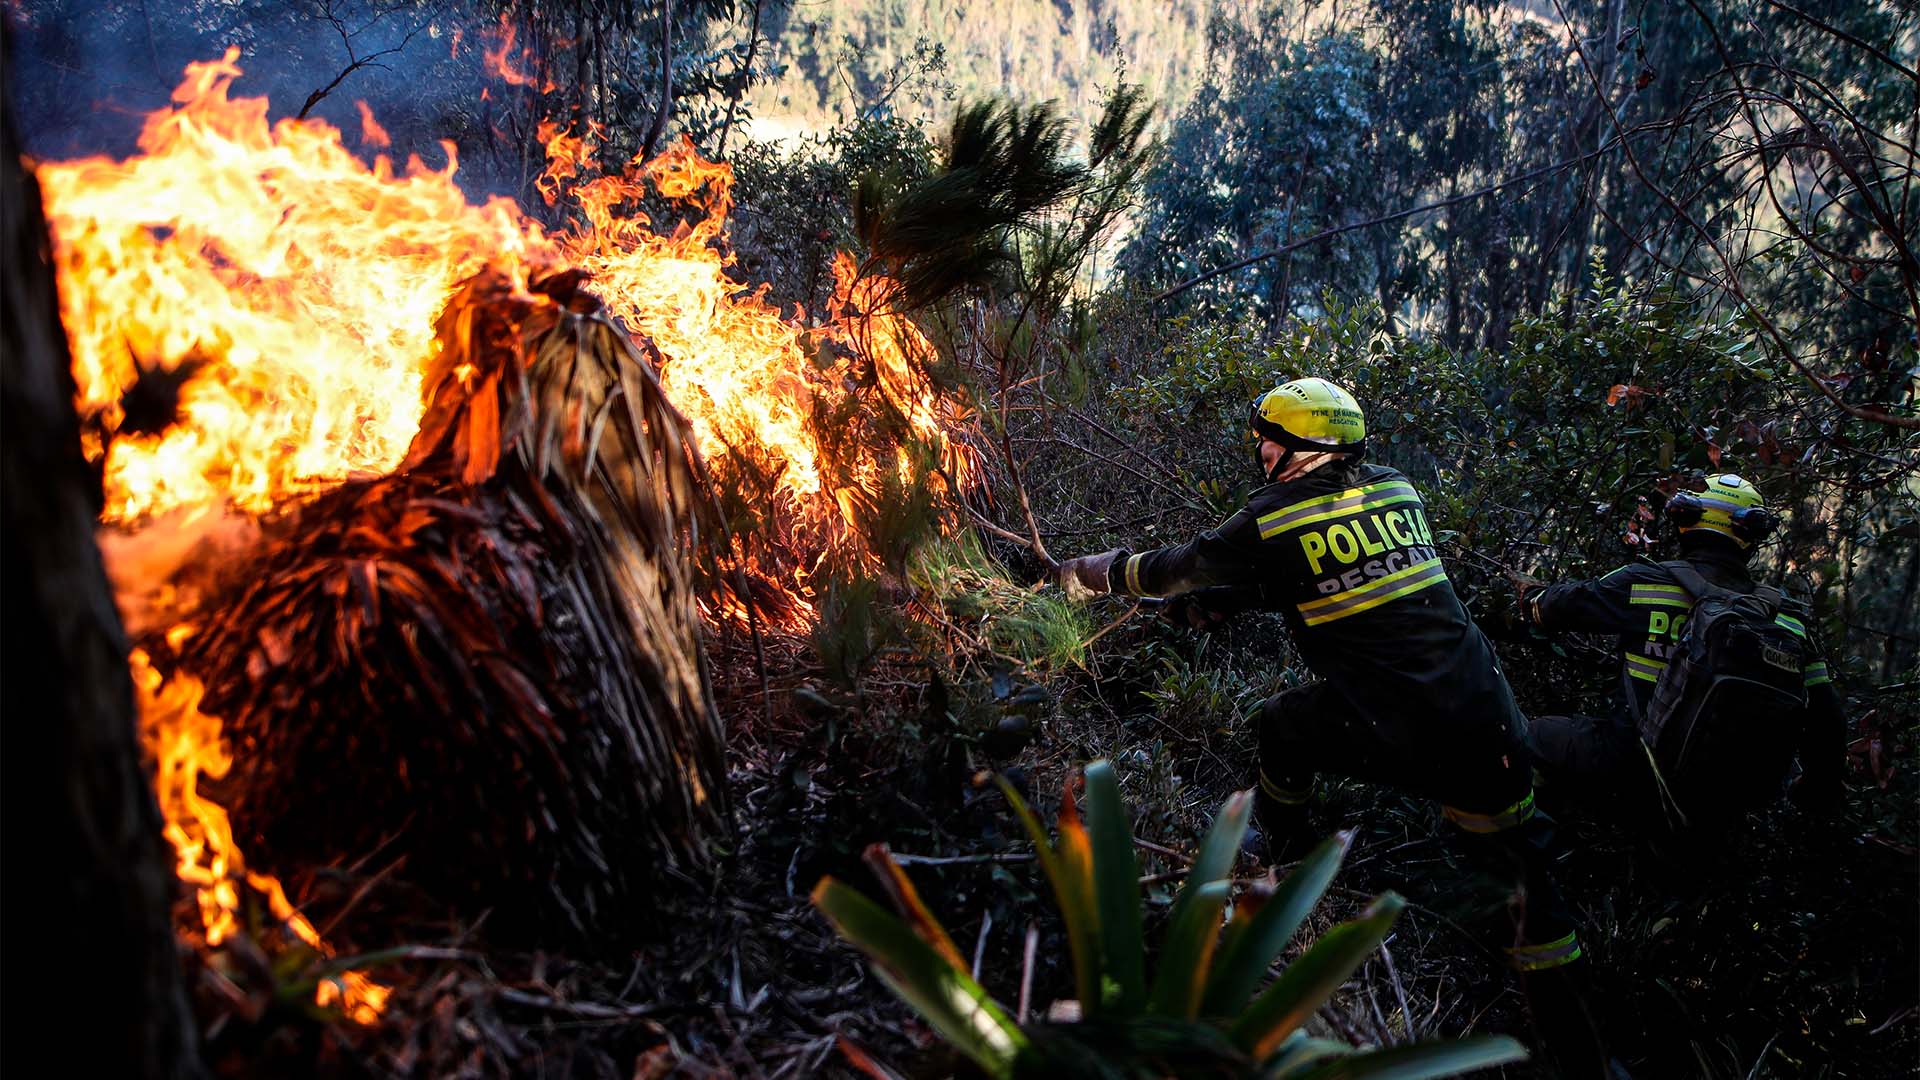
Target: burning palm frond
(494, 652)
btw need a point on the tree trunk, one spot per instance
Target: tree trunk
(582, 70)
(1606, 69)
(99, 884)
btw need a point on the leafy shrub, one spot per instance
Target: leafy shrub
(1202, 1013)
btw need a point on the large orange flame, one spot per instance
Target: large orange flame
(304, 282)
(311, 278)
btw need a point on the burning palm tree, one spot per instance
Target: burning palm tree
(456, 612)
(490, 658)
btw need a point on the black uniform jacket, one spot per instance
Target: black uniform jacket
(1644, 608)
(1347, 554)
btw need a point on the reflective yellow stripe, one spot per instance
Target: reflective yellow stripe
(1288, 796)
(1339, 598)
(1645, 667)
(1133, 574)
(1817, 673)
(1373, 593)
(1792, 624)
(1552, 954)
(1517, 814)
(1308, 511)
(1661, 595)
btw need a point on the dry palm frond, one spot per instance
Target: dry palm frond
(495, 651)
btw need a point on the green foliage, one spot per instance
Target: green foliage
(852, 627)
(917, 961)
(1197, 696)
(1009, 197)
(1194, 403)
(1031, 626)
(796, 199)
(847, 57)
(1193, 1018)
(1553, 456)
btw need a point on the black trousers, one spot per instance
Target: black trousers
(1597, 766)
(1485, 789)
(1591, 764)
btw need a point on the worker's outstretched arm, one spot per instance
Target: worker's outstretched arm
(1601, 605)
(1227, 555)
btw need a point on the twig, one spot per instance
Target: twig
(1185, 860)
(1112, 626)
(359, 894)
(740, 76)
(1399, 992)
(903, 859)
(1026, 970)
(591, 1010)
(1755, 1071)
(1731, 283)
(980, 942)
(1851, 40)
(983, 522)
(1898, 1015)
(354, 62)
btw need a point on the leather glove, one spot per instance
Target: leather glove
(1086, 576)
(1503, 618)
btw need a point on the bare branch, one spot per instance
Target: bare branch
(1731, 282)
(665, 109)
(1478, 193)
(1850, 39)
(354, 61)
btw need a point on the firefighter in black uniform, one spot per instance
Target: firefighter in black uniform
(1412, 695)
(1599, 763)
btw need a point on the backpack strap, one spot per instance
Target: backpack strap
(1697, 587)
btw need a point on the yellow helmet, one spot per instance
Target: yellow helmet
(1313, 415)
(1726, 504)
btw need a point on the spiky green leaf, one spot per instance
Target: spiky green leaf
(1072, 885)
(957, 1007)
(1308, 982)
(1116, 879)
(1191, 936)
(1243, 960)
(1416, 1062)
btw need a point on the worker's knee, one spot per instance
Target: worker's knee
(1286, 731)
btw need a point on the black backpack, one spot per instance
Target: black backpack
(1720, 727)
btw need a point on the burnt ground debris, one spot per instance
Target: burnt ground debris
(1791, 955)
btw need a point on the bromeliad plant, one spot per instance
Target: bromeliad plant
(1200, 1014)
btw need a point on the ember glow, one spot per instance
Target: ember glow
(186, 745)
(303, 284)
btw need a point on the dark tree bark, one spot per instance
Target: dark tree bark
(93, 899)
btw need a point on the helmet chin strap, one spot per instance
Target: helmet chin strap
(1296, 463)
(1286, 458)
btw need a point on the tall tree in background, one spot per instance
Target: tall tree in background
(1555, 136)
(96, 891)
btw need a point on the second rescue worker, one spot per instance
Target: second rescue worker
(1412, 695)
